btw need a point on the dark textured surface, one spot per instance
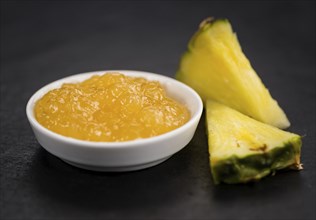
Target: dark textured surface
(42, 42)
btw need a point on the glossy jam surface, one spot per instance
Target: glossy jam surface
(111, 107)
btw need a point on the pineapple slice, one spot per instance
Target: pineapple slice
(217, 69)
(243, 149)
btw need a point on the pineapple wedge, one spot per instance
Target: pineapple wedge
(217, 69)
(243, 149)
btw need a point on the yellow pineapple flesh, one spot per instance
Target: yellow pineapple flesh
(243, 149)
(215, 66)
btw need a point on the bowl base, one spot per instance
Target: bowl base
(116, 169)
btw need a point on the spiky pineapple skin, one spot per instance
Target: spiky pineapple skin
(235, 169)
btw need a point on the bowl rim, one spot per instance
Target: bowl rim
(120, 144)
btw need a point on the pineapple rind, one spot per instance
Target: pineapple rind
(254, 167)
(243, 149)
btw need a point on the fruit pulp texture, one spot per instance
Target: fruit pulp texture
(243, 149)
(110, 107)
(216, 67)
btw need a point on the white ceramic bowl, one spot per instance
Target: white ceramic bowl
(119, 156)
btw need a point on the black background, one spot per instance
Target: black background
(45, 41)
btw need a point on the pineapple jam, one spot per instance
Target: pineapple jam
(111, 107)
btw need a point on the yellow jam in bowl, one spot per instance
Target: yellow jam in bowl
(110, 107)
